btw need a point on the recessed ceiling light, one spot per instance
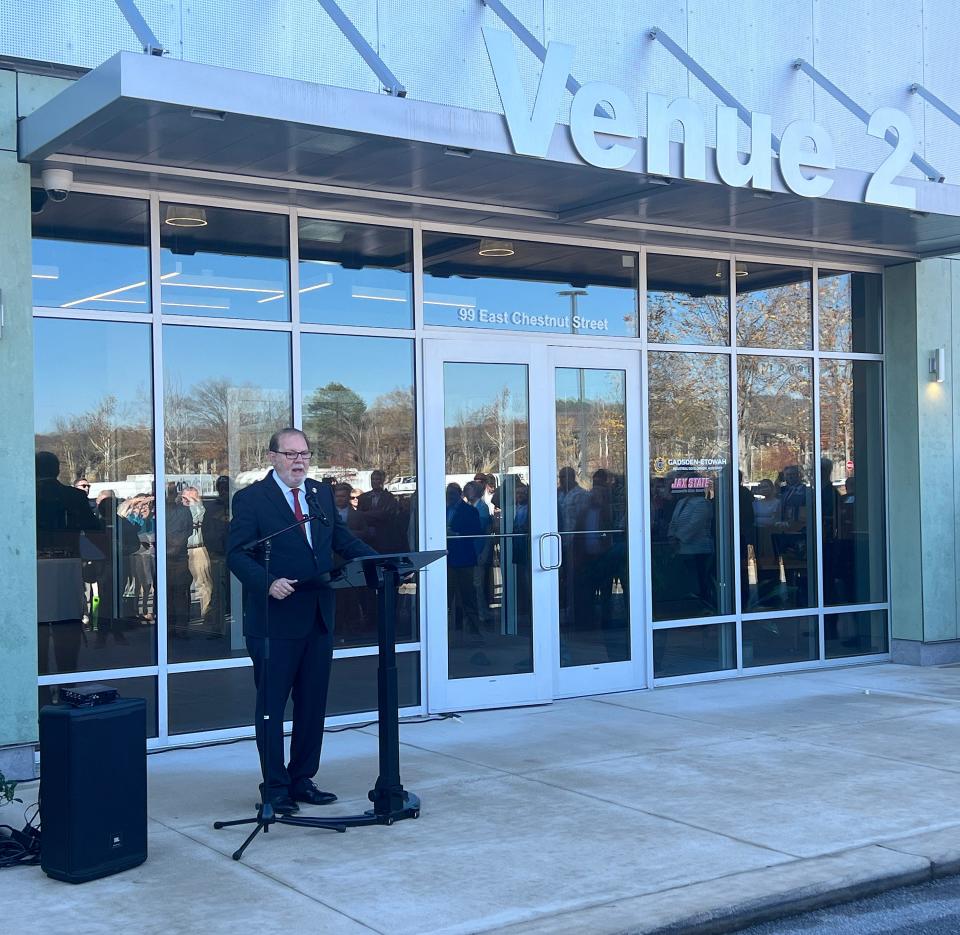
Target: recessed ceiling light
(496, 248)
(185, 216)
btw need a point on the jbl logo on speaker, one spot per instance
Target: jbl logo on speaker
(116, 840)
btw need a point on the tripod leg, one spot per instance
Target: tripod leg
(238, 853)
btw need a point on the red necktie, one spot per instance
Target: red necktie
(297, 511)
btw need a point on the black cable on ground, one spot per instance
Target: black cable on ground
(21, 848)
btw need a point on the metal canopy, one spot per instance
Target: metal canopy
(176, 126)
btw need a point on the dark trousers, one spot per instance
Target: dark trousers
(300, 668)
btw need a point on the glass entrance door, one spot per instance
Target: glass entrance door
(485, 465)
(596, 520)
(527, 490)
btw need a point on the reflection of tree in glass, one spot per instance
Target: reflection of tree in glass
(834, 313)
(488, 438)
(217, 427)
(777, 316)
(108, 442)
(689, 405)
(685, 318)
(836, 414)
(591, 429)
(775, 415)
(345, 432)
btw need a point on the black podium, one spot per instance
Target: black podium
(391, 802)
(383, 573)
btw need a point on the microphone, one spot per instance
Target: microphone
(313, 503)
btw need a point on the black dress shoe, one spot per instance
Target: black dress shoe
(307, 792)
(284, 805)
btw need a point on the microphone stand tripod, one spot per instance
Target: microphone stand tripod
(266, 816)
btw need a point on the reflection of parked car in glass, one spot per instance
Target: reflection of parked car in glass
(402, 484)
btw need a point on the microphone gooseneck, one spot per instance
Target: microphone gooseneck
(316, 511)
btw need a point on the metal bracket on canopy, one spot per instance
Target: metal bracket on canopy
(705, 78)
(931, 98)
(803, 65)
(133, 16)
(343, 22)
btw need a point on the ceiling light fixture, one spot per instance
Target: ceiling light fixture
(185, 216)
(273, 298)
(496, 248)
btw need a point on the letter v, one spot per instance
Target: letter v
(530, 134)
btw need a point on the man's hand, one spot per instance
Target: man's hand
(282, 587)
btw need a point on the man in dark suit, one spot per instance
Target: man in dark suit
(301, 619)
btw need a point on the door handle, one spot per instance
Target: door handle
(551, 566)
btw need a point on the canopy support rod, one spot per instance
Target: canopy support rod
(526, 37)
(858, 112)
(133, 16)
(705, 78)
(343, 22)
(931, 98)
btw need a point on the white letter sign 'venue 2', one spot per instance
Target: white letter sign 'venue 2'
(603, 125)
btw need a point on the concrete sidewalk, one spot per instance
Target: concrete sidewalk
(695, 808)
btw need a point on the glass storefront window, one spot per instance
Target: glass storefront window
(850, 311)
(225, 392)
(778, 483)
(223, 263)
(223, 698)
(516, 285)
(691, 525)
(774, 306)
(855, 633)
(851, 465)
(780, 640)
(688, 300)
(692, 650)
(355, 274)
(91, 252)
(96, 530)
(358, 411)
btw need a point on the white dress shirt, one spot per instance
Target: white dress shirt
(302, 494)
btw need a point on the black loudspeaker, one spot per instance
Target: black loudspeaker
(93, 789)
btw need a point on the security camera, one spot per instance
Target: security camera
(57, 183)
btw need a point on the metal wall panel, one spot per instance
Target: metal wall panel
(81, 32)
(941, 76)
(436, 49)
(289, 38)
(748, 49)
(871, 51)
(612, 46)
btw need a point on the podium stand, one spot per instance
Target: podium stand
(391, 802)
(382, 573)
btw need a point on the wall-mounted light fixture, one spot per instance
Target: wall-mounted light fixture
(938, 364)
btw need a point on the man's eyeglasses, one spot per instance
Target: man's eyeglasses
(296, 455)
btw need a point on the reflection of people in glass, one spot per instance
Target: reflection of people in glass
(214, 527)
(141, 512)
(473, 493)
(198, 558)
(766, 514)
(690, 534)
(830, 520)
(463, 532)
(381, 514)
(748, 537)
(790, 541)
(594, 574)
(179, 528)
(63, 517)
(118, 540)
(571, 499)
